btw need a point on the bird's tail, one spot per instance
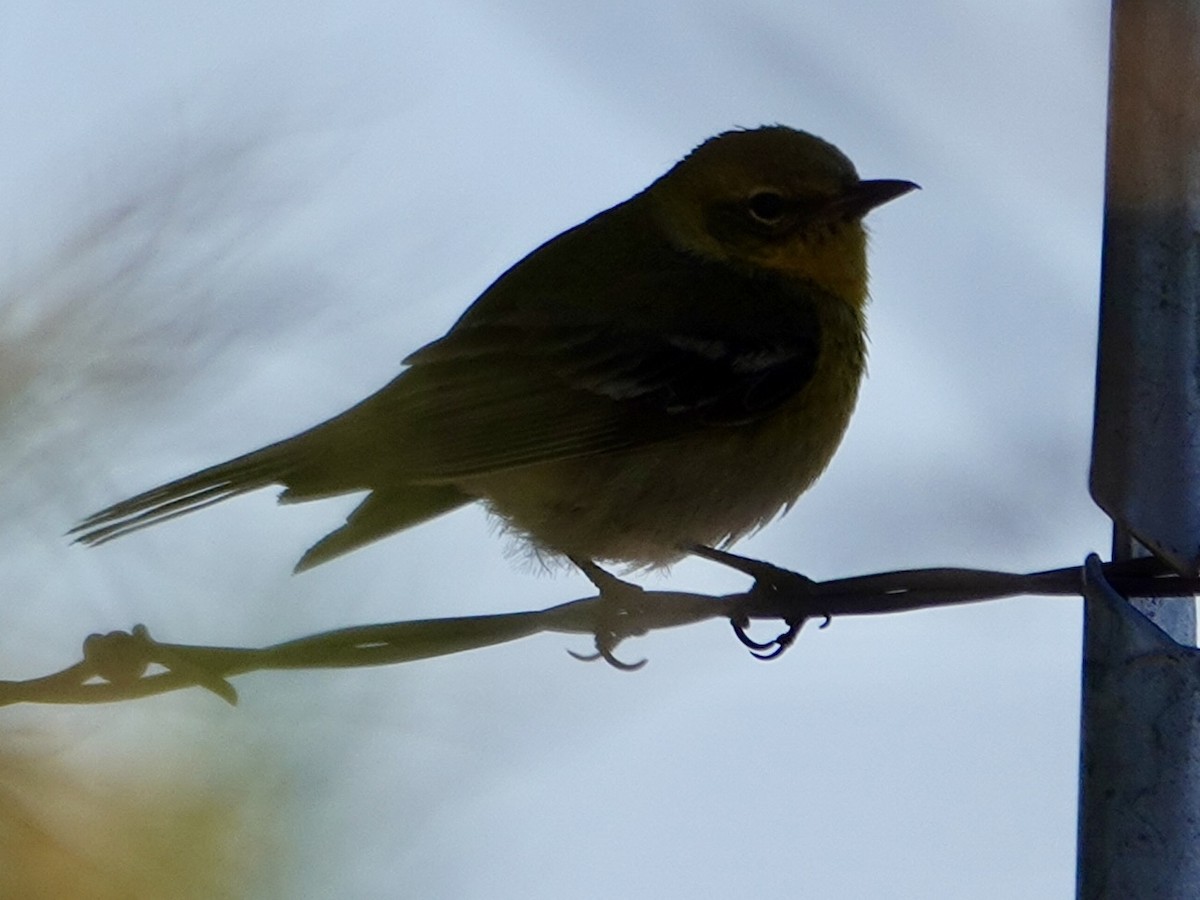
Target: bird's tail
(305, 466)
(264, 467)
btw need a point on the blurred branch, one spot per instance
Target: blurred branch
(125, 665)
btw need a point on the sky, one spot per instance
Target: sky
(226, 222)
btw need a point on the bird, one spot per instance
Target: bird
(673, 372)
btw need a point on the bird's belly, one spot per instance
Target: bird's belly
(644, 506)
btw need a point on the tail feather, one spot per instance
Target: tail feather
(300, 466)
(175, 498)
(383, 513)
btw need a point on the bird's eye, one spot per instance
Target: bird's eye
(767, 207)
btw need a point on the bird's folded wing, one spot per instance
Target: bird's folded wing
(489, 398)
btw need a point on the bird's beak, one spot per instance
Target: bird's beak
(857, 201)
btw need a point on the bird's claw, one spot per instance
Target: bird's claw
(773, 648)
(617, 601)
(739, 629)
(606, 654)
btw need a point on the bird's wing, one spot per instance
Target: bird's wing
(494, 395)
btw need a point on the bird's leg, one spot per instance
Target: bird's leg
(617, 603)
(768, 579)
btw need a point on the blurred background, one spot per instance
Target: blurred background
(225, 222)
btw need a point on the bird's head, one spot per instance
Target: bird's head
(777, 200)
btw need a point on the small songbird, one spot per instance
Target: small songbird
(675, 371)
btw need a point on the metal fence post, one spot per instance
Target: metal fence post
(1139, 806)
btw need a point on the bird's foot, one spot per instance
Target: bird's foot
(769, 580)
(618, 606)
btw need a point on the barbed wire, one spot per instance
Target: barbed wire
(124, 665)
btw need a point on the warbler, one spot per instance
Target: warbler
(674, 371)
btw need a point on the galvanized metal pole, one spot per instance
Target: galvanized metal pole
(1146, 454)
(1139, 806)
